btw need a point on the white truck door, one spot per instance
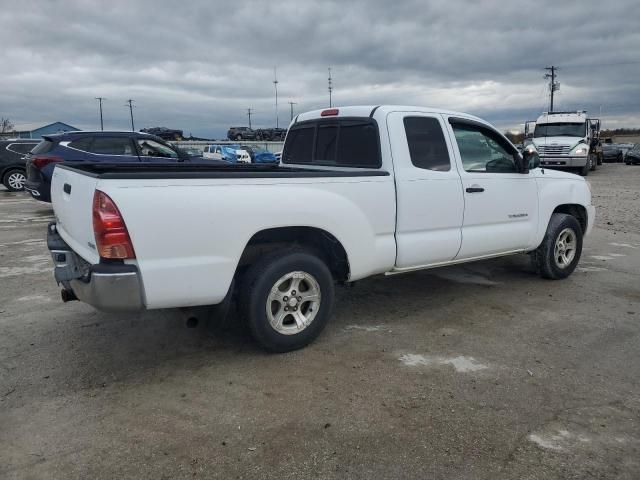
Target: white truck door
(430, 201)
(501, 204)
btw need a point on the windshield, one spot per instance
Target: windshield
(559, 130)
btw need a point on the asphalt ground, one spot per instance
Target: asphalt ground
(482, 371)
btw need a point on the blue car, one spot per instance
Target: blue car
(108, 147)
(259, 155)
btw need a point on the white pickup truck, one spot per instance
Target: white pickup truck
(359, 191)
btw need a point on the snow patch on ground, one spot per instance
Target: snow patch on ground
(461, 363)
(365, 328)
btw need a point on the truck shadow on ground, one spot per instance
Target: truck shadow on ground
(103, 346)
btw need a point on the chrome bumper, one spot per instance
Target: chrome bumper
(106, 287)
(562, 162)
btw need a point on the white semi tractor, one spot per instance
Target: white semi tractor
(565, 140)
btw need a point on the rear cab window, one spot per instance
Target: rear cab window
(337, 142)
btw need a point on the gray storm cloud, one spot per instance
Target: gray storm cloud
(199, 65)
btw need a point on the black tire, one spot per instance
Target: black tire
(238, 137)
(544, 257)
(584, 171)
(600, 159)
(10, 179)
(594, 163)
(257, 285)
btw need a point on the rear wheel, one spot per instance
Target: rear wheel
(238, 137)
(594, 162)
(560, 250)
(287, 298)
(14, 180)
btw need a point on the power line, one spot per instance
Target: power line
(330, 86)
(553, 85)
(275, 84)
(130, 105)
(100, 99)
(291, 104)
(249, 112)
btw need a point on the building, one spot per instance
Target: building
(38, 130)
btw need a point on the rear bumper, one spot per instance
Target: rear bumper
(563, 162)
(106, 287)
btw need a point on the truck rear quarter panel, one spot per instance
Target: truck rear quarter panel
(189, 235)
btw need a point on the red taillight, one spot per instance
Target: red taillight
(112, 237)
(329, 113)
(41, 161)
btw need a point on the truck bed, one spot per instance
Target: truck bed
(190, 170)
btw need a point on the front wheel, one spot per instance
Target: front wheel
(14, 180)
(560, 250)
(287, 298)
(584, 171)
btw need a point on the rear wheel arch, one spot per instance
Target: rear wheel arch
(316, 240)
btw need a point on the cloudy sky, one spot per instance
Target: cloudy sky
(198, 65)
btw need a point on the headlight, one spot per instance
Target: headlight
(530, 149)
(581, 150)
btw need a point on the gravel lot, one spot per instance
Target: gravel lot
(476, 372)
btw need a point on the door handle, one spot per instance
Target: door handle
(475, 190)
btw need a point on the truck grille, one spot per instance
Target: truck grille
(554, 149)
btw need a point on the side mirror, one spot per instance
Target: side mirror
(531, 159)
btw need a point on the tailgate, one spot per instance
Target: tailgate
(72, 198)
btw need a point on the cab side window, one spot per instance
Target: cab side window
(427, 147)
(481, 150)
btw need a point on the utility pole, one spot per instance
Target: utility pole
(100, 99)
(130, 105)
(330, 86)
(275, 84)
(291, 104)
(553, 85)
(249, 112)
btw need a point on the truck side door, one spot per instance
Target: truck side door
(501, 203)
(430, 202)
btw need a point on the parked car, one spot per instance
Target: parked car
(271, 134)
(111, 147)
(13, 162)
(612, 152)
(164, 133)
(369, 190)
(633, 155)
(259, 154)
(241, 133)
(226, 153)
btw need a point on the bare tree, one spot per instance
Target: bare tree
(5, 125)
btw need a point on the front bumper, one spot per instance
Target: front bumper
(563, 161)
(106, 287)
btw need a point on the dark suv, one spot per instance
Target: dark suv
(13, 162)
(111, 147)
(241, 133)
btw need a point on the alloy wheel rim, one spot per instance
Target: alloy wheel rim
(293, 302)
(564, 250)
(16, 180)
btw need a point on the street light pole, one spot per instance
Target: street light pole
(291, 104)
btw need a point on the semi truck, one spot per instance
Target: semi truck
(565, 140)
